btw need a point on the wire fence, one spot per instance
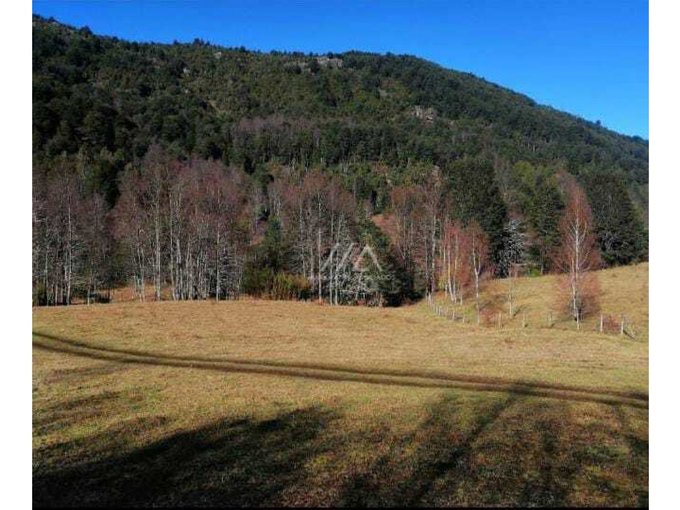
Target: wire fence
(607, 323)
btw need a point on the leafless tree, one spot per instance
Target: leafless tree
(455, 264)
(69, 236)
(479, 260)
(578, 256)
(318, 210)
(433, 206)
(409, 215)
(186, 224)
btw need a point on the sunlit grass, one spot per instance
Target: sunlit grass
(260, 402)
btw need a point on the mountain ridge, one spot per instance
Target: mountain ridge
(525, 96)
(378, 134)
(94, 93)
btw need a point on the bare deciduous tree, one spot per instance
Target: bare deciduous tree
(407, 208)
(69, 237)
(186, 224)
(433, 205)
(319, 211)
(479, 260)
(455, 265)
(578, 256)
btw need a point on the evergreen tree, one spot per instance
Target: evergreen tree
(541, 202)
(620, 232)
(394, 282)
(476, 197)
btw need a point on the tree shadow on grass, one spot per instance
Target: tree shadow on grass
(440, 447)
(514, 451)
(508, 446)
(506, 450)
(638, 444)
(61, 415)
(226, 463)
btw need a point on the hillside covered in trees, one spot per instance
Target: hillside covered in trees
(216, 171)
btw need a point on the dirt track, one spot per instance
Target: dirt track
(323, 372)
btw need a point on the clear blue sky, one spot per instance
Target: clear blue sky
(587, 57)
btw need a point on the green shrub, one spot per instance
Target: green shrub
(257, 281)
(263, 282)
(290, 286)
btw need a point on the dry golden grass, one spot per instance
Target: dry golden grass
(624, 290)
(261, 402)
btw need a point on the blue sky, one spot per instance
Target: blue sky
(587, 57)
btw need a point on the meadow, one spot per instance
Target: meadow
(255, 403)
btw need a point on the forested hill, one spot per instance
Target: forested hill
(121, 129)
(95, 93)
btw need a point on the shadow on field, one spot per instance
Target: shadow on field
(516, 451)
(509, 447)
(61, 415)
(423, 379)
(226, 463)
(435, 452)
(500, 451)
(638, 444)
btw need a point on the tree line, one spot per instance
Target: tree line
(194, 171)
(195, 228)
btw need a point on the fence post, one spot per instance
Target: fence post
(623, 321)
(601, 323)
(499, 319)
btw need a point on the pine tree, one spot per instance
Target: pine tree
(619, 230)
(476, 197)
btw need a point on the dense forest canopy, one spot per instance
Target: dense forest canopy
(367, 128)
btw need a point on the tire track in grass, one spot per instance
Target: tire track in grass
(422, 379)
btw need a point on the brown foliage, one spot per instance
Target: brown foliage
(185, 224)
(408, 213)
(318, 212)
(578, 256)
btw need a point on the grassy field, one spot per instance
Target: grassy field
(289, 403)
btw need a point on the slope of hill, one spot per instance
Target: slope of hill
(115, 122)
(94, 94)
(625, 298)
